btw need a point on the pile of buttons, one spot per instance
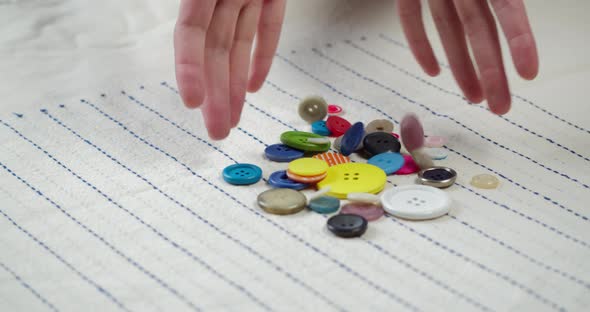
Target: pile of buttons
(315, 161)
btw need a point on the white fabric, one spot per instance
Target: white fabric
(117, 203)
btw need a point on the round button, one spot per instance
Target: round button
(308, 166)
(379, 125)
(319, 127)
(282, 201)
(421, 158)
(338, 141)
(485, 181)
(337, 125)
(347, 225)
(435, 141)
(416, 202)
(282, 153)
(332, 158)
(409, 166)
(242, 174)
(369, 211)
(395, 135)
(279, 179)
(412, 132)
(352, 139)
(440, 177)
(313, 108)
(334, 109)
(324, 204)
(381, 142)
(389, 162)
(299, 140)
(436, 153)
(305, 179)
(364, 198)
(353, 178)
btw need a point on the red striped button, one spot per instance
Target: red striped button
(333, 158)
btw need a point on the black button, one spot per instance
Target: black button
(381, 142)
(438, 174)
(347, 225)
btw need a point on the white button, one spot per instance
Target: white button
(364, 198)
(416, 202)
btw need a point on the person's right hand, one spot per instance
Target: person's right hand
(213, 44)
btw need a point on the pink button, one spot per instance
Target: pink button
(369, 211)
(334, 109)
(395, 135)
(409, 166)
(435, 141)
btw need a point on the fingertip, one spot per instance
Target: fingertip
(254, 84)
(500, 103)
(190, 88)
(432, 70)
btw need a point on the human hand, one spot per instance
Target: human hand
(457, 19)
(212, 47)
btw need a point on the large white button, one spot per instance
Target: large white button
(416, 202)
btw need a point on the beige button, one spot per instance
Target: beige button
(379, 125)
(485, 181)
(421, 158)
(313, 108)
(282, 201)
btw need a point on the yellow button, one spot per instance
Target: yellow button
(353, 178)
(308, 167)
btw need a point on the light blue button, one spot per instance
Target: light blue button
(389, 162)
(324, 204)
(319, 127)
(242, 174)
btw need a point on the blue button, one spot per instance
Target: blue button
(324, 204)
(389, 162)
(319, 127)
(242, 174)
(282, 153)
(279, 179)
(352, 139)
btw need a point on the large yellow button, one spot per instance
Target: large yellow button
(308, 167)
(353, 178)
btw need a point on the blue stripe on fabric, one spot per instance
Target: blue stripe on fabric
(167, 239)
(83, 276)
(397, 43)
(26, 285)
(134, 263)
(340, 264)
(585, 218)
(367, 52)
(198, 216)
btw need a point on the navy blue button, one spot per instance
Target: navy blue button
(279, 179)
(381, 142)
(324, 204)
(347, 225)
(352, 138)
(319, 127)
(282, 153)
(242, 174)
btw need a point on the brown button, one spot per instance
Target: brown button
(282, 201)
(379, 125)
(313, 108)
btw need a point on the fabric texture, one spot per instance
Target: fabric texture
(111, 194)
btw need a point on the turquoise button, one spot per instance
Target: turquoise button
(242, 174)
(324, 204)
(319, 127)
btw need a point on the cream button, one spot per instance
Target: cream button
(485, 181)
(282, 201)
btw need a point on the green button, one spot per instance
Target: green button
(298, 140)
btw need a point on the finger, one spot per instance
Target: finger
(240, 58)
(480, 27)
(269, 31)
(453, 40)
(218, 45)
(515, 24)
(189, 45)
(410, 13)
